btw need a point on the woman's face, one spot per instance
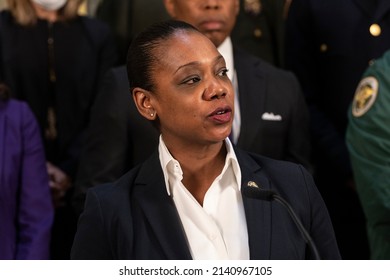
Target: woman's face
(193, 96)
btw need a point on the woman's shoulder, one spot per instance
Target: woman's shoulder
(146, 173)
(280, 172)
(266, 162)
(119, 187)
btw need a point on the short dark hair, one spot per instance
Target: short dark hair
(141, 55)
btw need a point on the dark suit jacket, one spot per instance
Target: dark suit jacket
(263, 89)
(119, 137)
(26, 210)
(134, 218)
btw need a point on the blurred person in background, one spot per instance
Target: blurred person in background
(3, 4)
(329, 44)
(368, 139)
(26, 210)
(54, 60)
(259, 29)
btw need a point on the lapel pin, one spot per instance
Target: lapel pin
(252, 184)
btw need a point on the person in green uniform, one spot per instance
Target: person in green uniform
(368, 140)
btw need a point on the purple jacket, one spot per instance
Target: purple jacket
(26, 211)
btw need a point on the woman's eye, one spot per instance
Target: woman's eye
(191, 80)
(223, 72)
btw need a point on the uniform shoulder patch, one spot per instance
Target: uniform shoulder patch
(365, 96)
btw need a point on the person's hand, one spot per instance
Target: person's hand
(59, 184)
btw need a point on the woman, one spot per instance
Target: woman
(53, 59)
(26, 211)
(186, 201)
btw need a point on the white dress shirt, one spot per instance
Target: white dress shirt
(217, 230)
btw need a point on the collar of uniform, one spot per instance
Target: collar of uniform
(171, 166)
(226, 50)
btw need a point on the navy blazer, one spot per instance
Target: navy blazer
(120, 138)
(134, 218)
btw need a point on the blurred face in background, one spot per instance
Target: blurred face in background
(214, 18)
(50, 5)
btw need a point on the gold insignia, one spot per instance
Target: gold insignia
(253, 7)
(375, 30)
(252, 184)
(365, 96)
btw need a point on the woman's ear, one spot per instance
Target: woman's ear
(142, 99)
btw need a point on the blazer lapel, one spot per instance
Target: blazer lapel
(257, 212)
(160, 210)
(252, 92)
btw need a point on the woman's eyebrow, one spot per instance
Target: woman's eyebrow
(193, 63)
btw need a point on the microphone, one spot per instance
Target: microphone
(252, 190)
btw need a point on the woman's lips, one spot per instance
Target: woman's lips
(221, 115)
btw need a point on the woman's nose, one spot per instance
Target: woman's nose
(217, 90)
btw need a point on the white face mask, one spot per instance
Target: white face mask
(51, 5)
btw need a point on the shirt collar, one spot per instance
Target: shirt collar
(169, 163)
(226, 50)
